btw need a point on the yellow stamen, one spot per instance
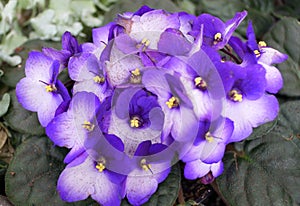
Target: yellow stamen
(146, 42)
(100, 166)
(236, 96)
(200, 83)
(135, 77)
(262, 43)
(217, 37)
(136, 72)
(172, 102)
(50, 88)
(209, 137)
(99, 80)
(144, 165)
(257, 53)
(135, 122)
(88, 126)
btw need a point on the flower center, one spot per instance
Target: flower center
(257, 52)
(101, 165)
(173, 102)
(217, 38)
(50, 88)
(143, 44)
(88, 126)
(144, 165)
(209, 137)
(262, 44)
(135, 77)
(235, 96)
(136, 122)
(200, 83)
(99, 80)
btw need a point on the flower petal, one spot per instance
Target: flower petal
(196, 169)
(140, 189)
(248, 114)
(78, 182)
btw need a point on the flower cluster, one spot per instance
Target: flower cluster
(151, 89)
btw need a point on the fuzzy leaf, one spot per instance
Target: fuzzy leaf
(32, 174)
(4, 104)
(22, 120)
(267, 171)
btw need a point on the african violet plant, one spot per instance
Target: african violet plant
(153, 88)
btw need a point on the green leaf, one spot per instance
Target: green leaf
(167, 191)
(289, 8)
(12, 75)
(267, 172)
(133, 5)
(22, 120)
(33, 172)
(4, 104)
(284, 36)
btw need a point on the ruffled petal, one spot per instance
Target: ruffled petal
(248, 114)
(80, 181)
(38, 67)
(273, 77)
(196, 169)
(271, 56)
(140, 189)
(185, 125)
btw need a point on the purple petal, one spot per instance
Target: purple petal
(62, 90)
(255, 83)
(99, 90)
(156, 83)
(156, 118)
(39, 67)
(233, 23)
(62, 56)
(146, 26)
(212, 152)
(196, 169)
(33, 96)
(27, 90)
(143, 148)
(84, 106)
(79, 66)
(140, 189)
(123, 102)
(78, 182)
(185, 125)
(173, 42)
(66, 129)
(47, 113)
(118, 70)
(69, 43)
(271, 56)
(144, 9)
(217, 169)
(273, 78)
(248, 114)
(100, 35)
(75, 152)
(252, 44)
(63, 131)
(126, 44)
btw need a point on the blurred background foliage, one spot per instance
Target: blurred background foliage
(27, 25)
